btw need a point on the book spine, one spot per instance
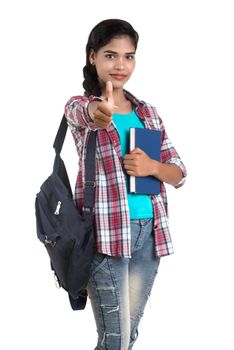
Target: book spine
(132, 146)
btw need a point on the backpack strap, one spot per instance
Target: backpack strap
(90, 164)
(90, 171)
(60, 136)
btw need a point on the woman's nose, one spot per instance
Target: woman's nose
(119, 64)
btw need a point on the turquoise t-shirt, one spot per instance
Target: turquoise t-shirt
(140, 205)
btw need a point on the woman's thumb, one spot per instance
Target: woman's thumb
(109, 92)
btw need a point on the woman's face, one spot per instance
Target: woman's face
(114, 62)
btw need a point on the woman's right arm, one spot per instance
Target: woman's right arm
(77, 114)
(91, 112)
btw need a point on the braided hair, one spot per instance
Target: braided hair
(100, 36)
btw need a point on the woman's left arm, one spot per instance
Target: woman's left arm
(169, 173)
(138, 163)
(170, 169)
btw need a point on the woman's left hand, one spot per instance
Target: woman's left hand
(138, 163)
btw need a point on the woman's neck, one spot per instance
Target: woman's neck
(123, 105)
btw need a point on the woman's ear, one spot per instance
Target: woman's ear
(92, 57)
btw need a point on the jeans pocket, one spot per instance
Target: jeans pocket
(99, 260)
(140, 232)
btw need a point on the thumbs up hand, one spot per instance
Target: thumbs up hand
(102, 116)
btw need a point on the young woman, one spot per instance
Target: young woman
(132, 231)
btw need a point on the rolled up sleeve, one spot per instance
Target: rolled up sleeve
(76, 112)
(169, 155)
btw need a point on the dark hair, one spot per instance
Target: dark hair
(100, 36)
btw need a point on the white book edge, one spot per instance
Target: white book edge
(132, 146)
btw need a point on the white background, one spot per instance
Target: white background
(184, 68)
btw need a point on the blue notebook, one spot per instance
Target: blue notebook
(150, 142)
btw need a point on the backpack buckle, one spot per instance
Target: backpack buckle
(88, 209)
(49, 242)
(90, 184)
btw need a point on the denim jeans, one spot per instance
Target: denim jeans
(119, 289)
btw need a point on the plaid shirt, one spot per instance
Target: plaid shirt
(112, 219)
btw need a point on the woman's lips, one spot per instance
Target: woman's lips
(118, 76)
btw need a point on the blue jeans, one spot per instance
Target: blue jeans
(119, 289)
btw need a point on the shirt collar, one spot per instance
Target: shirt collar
(133, 99)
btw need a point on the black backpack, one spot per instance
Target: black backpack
(67, 234)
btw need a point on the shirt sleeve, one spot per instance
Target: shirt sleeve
(169, 155)
(76, 112)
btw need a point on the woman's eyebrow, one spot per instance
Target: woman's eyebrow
(115, 53)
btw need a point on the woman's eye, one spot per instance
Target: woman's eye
(130, 57)
(110, 56)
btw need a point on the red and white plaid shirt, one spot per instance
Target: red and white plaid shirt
(112, 219)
